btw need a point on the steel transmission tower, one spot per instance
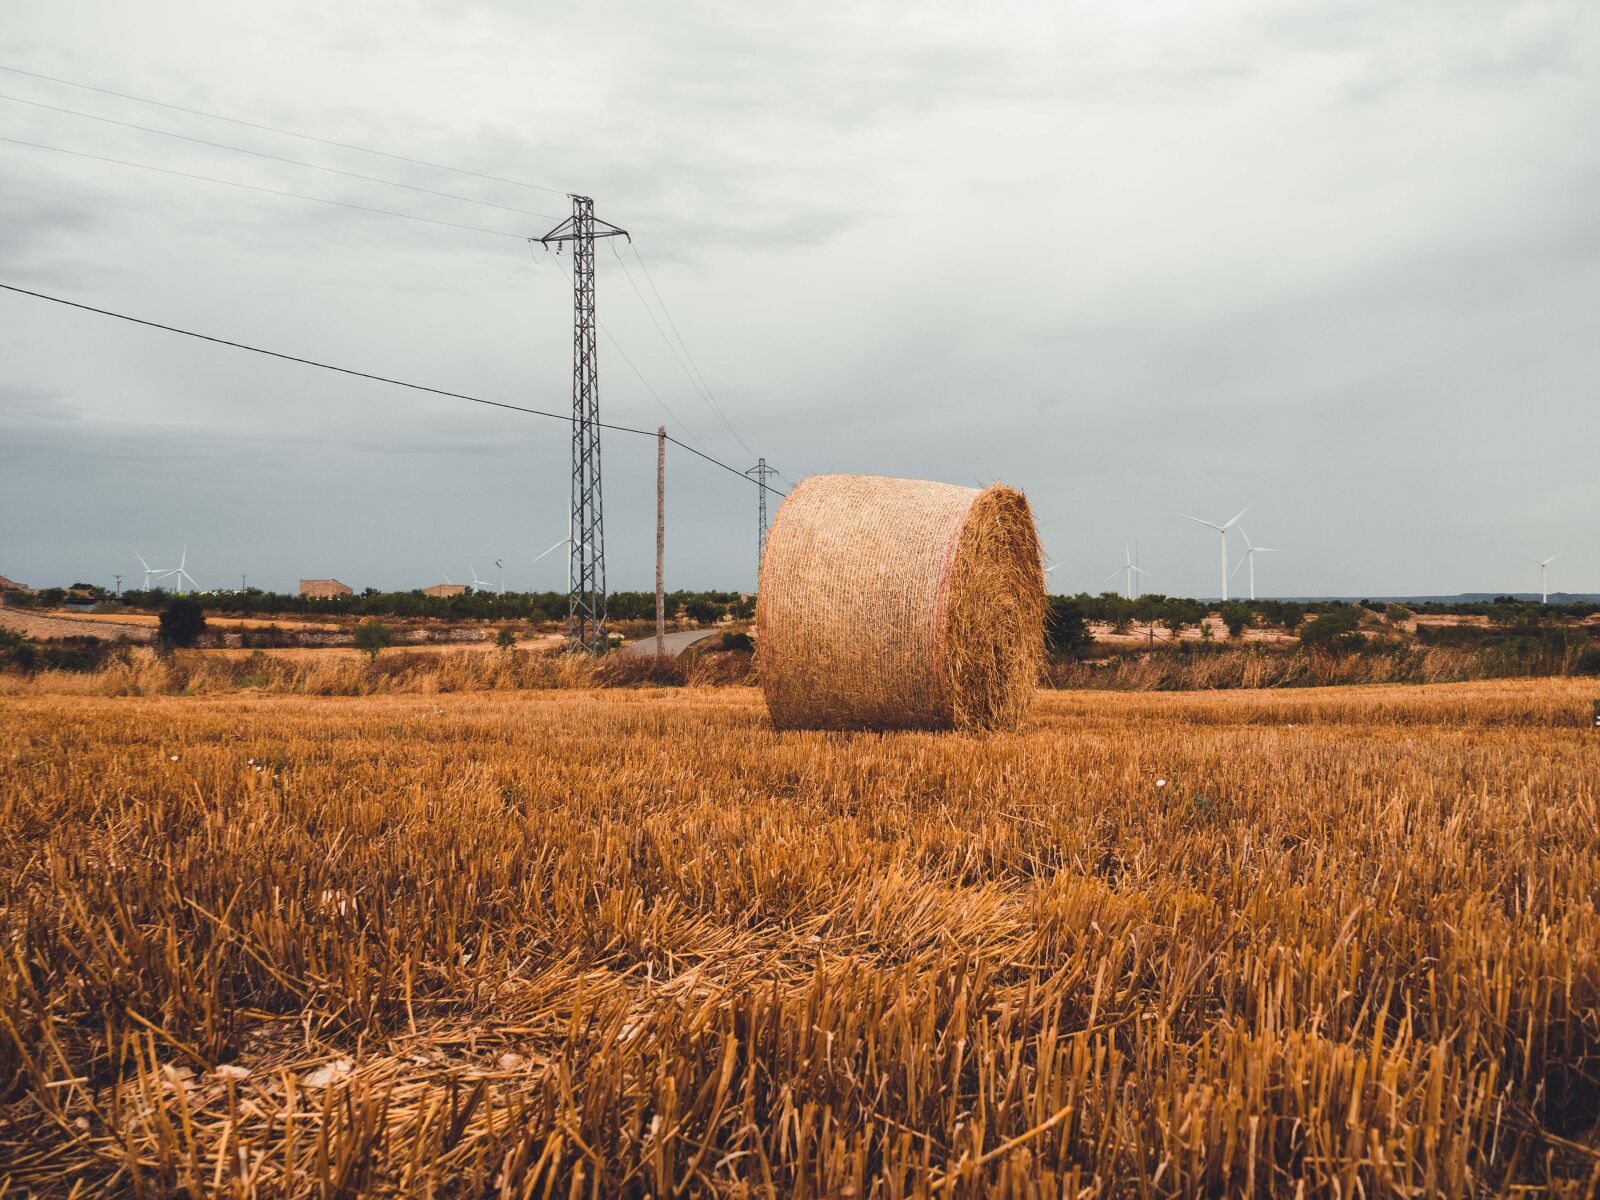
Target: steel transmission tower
(760, 473)
(586, 585)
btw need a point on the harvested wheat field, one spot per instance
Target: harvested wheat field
(636, 943)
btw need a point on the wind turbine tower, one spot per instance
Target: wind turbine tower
(1222, 530)
(183, 574)
(1251, 550)
(1544, 584)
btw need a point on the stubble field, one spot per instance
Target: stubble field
(1337, 942)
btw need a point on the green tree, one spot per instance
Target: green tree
(372, 636)
(1236, 617)
(702, 610)
(182, 622)
(1066, 626)
(506, 638)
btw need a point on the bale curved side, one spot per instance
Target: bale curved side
(899, 604)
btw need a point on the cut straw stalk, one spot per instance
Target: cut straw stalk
(900, 604)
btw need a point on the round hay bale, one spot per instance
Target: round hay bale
(900, 604)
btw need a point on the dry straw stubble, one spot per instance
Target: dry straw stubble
(900, 604)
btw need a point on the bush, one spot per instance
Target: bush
(65, 654)
(182, 622)
(735, 640)
(1589, 661)
(372, 636)
(1334, 630)
(506, 638)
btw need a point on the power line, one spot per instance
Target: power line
(617, 346)
(122, 162)
(311, 362)
(285, 132)
(667, 312)
(698, 385)
(295, 162)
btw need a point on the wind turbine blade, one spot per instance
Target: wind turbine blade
(1141, 570)
(142, 563)
(1207, 524)
(1051, 567)
(1243, 558)
(1267, 550)
(1114, 574)
(564, 541)
(1237, 515)
(1244, 535)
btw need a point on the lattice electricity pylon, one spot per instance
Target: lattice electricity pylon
(586, 582)
(759, 473)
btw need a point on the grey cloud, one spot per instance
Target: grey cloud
(1337, 258)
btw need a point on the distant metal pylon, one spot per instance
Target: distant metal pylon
(759, 473)
(586, 586)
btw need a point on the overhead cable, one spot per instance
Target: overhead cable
(538, 187)
(311, 362)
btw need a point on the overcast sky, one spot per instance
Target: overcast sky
(1340, 261)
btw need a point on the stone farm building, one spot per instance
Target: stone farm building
(323, 589)
(445, 589)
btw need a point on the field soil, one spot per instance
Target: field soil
(151, 621)
(51, 626)
(1324, 942)
(1140, 634)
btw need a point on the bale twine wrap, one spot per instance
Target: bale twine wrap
(900, 604)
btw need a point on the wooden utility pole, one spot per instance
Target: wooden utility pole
(661, 539)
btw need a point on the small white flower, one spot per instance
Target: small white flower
(1161, 783)
(174, 757)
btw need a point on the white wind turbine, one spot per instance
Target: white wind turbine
(1251, 550)
(499, 577)
(1128, 570)
(477, 584)
(566, 541)
(153, 574)
(1544, 586)
(1223, 531)
(182, 574)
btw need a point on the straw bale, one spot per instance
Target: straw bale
(900, 604)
